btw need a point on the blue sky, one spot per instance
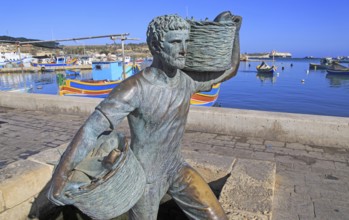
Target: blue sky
(301, 27)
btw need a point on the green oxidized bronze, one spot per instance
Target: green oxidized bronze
(104, 177)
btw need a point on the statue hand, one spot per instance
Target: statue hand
(237, 20)
(227, 16)
(56, 191)
(74, 188)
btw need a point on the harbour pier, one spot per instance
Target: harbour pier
(38, 69)
(272, 165)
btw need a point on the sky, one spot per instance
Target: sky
(301, 27)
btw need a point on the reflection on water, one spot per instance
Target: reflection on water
(292, 89)
(337, 80)
(43, 83)
(15, 81)
(266, 77)
(37, 82)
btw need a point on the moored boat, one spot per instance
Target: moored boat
(105, 76)
(60, 61)
(102, 89)
(337, 68)
(207, 99)
(324, 64)
(108, 75)
(338, 71)
(265, 68)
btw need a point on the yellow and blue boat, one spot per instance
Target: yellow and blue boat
(107, 75)
(206, 98)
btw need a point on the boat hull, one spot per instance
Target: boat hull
(91, 86)
(101, 89)
(265, 68)
(314, 66)
(339, 72)
(338, 69)
(269, 70)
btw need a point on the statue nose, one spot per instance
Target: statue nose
(183, 50)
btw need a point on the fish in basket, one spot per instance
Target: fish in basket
(111, 179)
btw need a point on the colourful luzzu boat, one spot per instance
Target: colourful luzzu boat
(206, 98)
(99, 87)
(105, 76)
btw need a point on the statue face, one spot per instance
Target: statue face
(175, 48)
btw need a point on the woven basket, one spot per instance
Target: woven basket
(210, 46)
(116, 191)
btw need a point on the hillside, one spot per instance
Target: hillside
(9, 39)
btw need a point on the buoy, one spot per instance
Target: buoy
(307, 71)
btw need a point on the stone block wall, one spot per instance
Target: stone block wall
(316, 130)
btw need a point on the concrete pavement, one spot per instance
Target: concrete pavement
(24, 133)
(311, 182)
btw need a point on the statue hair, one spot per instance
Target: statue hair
(159, 26)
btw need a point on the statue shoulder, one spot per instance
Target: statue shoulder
(128, 88)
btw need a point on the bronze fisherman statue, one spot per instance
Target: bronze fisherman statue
(156, 103)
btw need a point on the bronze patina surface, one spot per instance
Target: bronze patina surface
(156, 103)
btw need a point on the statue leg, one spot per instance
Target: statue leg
(147, 206)
(194, 196)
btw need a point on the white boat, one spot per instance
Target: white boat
(15, 58)
(21, 90)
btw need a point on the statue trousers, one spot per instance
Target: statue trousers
(188, 189)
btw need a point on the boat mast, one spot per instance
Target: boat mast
(20, 57)
(123, 38)
(76, 39)
(123, 58)
(273, 53)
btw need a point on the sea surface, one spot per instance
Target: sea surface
(292, 88)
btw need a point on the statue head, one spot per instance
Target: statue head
(159, 26)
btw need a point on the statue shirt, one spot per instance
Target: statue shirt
(157, 108)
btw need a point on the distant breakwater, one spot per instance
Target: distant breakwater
(38, 69)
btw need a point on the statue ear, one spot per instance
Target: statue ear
(156, 47)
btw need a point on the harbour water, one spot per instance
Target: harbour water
(292, 88)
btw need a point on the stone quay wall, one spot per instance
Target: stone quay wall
(38, 68)
(316, 130)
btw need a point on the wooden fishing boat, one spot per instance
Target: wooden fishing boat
(101, 89)
(60, 61)
(207, 99)
(106, 76)
(91, 85)
(337, 71)
(265, 68)
(324, 64)
(336, 68)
